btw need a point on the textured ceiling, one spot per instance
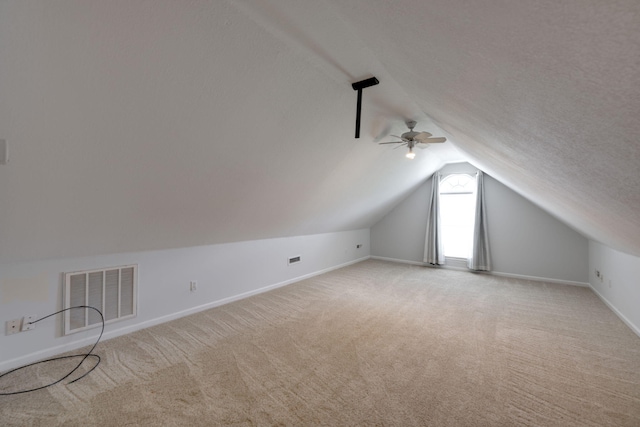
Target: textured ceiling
(543, 95)
(137, 125)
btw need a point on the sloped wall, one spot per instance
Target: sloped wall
(224, 273)
(524, 239)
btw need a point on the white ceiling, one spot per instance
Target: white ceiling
(138, 125)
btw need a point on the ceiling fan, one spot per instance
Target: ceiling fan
(414, 139)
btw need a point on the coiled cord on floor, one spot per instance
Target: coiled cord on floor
(84, 356)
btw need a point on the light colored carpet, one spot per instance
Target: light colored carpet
(374, 343)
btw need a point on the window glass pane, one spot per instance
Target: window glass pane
(457, 206)
(458, 183)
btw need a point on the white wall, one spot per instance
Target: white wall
(619, 282)
(524, 240)
(224, 272)
(400, 234)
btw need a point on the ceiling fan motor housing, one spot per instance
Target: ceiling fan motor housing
(409, 135)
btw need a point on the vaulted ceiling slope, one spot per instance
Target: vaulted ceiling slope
(138, 125)
(543, 95)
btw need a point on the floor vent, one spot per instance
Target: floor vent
(113, 291)
(455, 262)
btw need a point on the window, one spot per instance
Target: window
(457, 206)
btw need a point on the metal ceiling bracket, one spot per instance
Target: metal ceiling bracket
(359, 86)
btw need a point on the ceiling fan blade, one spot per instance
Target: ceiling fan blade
(425, 143)
(399, 137)
(401, 145)
(391, 142)
(422, 136)
(434, 140)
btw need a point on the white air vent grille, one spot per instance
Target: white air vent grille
(294, 259)
(112, 291)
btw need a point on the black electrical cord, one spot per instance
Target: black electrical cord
(84, 356)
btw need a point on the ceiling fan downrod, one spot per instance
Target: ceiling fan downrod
(359, 86)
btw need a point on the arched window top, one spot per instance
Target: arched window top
(458, 183)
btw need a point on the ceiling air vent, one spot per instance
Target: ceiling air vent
(294, 259)
(113, 291)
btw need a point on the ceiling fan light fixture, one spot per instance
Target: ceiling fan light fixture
(411, 155)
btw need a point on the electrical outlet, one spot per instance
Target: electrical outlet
(358, 246)
(26, 322)
(193, 285)
(13, 326)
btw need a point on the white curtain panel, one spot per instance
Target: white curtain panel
(433, 249)
(480, 258)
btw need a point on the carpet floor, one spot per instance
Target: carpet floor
(375, 343)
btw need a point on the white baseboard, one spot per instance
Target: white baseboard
(622, 317)
(492, 273)
(63, 348)
(400, 261)
(538, 279)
